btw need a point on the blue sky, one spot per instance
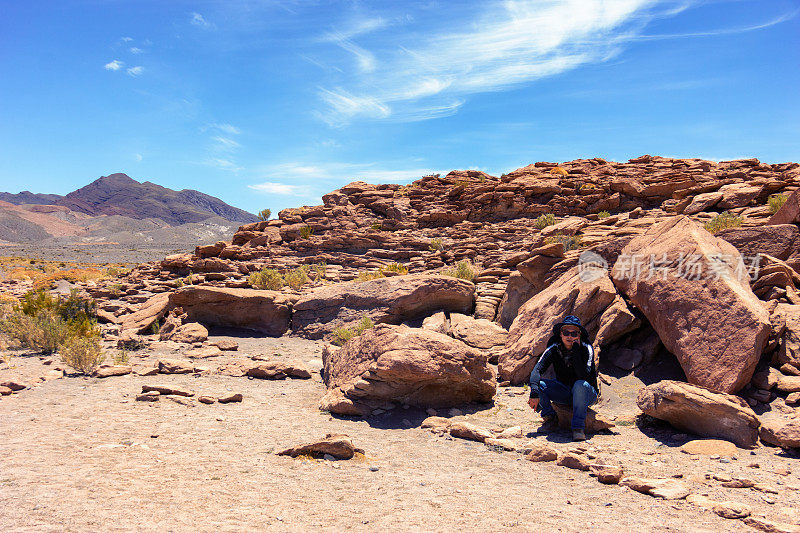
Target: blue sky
(274, 103)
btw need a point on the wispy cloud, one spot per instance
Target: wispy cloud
(135, 71)
(502, 44)
(224, 164)
(226, 128)
(224, 143)
(114, 65)
(276, 188)
(138, 157)
(126, 39)
(136, 50)
(198, 20)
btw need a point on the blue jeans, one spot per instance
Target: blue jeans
(580, 396)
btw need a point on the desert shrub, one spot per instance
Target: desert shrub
(306, 232)
(396, 267)
(43, 322)
(776, 201)
(83, 353)
(558, 171)
(264, 215)
(603, 214)
(435, 244)
(73, 275)
(267, 278)
(297, 277)
(317, 271)
(570, 242)
(544, 220)
(115, 289)
(369, 275)
(122, 357)
(342, 335)
(464, 269)
(376, 225)
(461, 183)
(723, 221)
(155, 327)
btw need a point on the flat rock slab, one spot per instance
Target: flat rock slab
(265, 311)
(387, 300)
(781, 432)
(338, 446)
(279, 370)
(167, 390)
(109, 371)
(665, 488)
(710, 447)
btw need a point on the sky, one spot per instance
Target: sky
(273, 103)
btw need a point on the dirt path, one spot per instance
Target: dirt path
(79, 454)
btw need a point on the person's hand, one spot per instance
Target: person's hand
(534, 403)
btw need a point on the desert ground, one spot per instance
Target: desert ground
(80, 454)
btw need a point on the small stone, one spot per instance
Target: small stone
(455, 412)
(14, 385)
(431, 411)
(504, 444)
(572, 460)
(175, 366)
(542, 454)
(167, 390)
(107, 371)
(731, 510)
(227, 345)
(5, 391)
(148, 397)
(763, 487)
(768, 526)
(230, 398)
(373, 468)
(739, 483)
(607, 474)
(208, 400)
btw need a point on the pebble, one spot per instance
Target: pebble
(373, 469)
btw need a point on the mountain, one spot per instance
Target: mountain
(119, 194)
(27, 197)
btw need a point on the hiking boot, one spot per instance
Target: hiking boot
(578, 435)
(549, 423)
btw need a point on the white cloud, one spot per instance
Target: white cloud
(114, 65)
(126, 39)
(135, 71)
(136, 50)
(505, 44)
(227, 128)
(138, 157)
(198, 20)
(224, 164)
(224, 143)
(276, 188)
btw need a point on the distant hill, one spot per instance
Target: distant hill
(119, 194)
(27, 197)
(117, 208)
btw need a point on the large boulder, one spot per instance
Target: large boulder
(701, 411)
(789, 213)
(781, 432)
(586, 293)
(385, 300)
(777, 241)
(265, 311)
(708, 317)
(477, 332)
(396, 364)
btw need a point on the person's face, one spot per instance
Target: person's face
(570, 335)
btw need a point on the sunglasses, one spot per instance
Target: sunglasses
(575, 334)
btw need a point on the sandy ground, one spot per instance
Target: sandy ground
(79, 454)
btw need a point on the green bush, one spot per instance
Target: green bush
(396, 267)
(435, 244)
(83, 353)
(342, 335)
(297, 277)
(570, 242)
(464, 269)
(267, 278)
(723, 221)
(264, 215)
(369, 275)
(603, 214)
(544, 220)
(317, 270)
(775, 202)
(44, 323)
(306, 232)
(376, 225)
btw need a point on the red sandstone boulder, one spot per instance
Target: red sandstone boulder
(397, 364)
(715, 325)
(701, 411)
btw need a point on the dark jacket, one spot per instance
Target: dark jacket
(570, 366)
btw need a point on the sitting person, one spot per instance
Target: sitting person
(572, 357)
